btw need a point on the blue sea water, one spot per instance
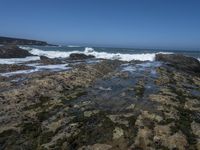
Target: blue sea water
(126, 54)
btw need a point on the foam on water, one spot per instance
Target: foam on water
(73, 46)
(8, 74)
(140, 67)
(91, 51)
(37, 68)
(18, 60)
(53, 67)
(123, 57)
(50, 54)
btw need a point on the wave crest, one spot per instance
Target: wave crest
(123, 57)
(91, 51)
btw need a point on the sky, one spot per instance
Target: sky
(117, 23)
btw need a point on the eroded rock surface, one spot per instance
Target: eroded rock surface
(102, 106)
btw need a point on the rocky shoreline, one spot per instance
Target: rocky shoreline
(106, 105)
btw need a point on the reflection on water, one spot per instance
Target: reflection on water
(118, 92)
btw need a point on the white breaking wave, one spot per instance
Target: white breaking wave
(91, 51)
(123, 57)
(50, 54)
(73, 46)
(198, 59)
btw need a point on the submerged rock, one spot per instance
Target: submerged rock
(78, 56)
(12, 51)
(179, 61)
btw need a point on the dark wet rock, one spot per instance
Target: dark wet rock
(179, 61)
(12, 51)
(47, 60)
(13, 67)
(79, 56)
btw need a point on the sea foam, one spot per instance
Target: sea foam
(91, 51)
(50, 54)
(123, 57)
(37, 68)
(18, 60)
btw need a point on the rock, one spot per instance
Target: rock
(198, 144)
(119, 120)
(90, 113)
(195, 128)
(143, 139)
(132, 107)
(12, 51)
(117, 133)
(177, 141)
(96, 147)
(78, 56)
(146, 115)
(164, 137)
(107, 66)
(179, 61)
(192, 104)
(164, 99)
(59, 110)
(13, 67)
(47, 60)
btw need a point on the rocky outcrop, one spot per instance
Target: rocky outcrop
(47, 61)
(180, 61)
(13, 51)
(17, 41)
(78, 56)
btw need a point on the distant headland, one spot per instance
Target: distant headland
(18, 41)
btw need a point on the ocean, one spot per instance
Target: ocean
(124, 54)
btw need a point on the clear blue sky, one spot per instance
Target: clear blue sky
(129, 23)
